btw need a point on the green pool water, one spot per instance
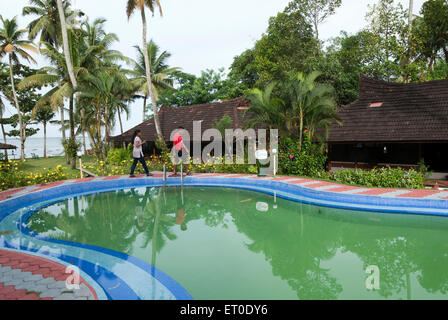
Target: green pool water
(221, 243)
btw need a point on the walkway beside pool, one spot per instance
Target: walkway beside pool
(28, 277)
(317, 185)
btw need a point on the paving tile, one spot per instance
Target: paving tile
(50, 293)
(65, 296)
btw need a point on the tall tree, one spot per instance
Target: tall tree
(132, 6)
(162, 73)
(13, 45)
(286, 44)
(315, 11)
(434, 29)
(44, 115)
(68, 61)
(46, 22)
(388, 30)
(311, 104)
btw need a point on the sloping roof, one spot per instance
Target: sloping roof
(414, 112)
(173, 117)
(7, 146)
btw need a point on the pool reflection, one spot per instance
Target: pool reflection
(292, 250)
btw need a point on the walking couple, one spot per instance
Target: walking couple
(138, 156)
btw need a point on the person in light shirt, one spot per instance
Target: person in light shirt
(137, 153)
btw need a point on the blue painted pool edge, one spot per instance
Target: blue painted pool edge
(289, 191)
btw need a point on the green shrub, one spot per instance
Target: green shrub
(12, 177)
(307, 160)
(117, 155)
(381, 177)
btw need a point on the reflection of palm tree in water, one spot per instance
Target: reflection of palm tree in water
(87, 226)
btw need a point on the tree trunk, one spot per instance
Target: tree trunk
(16, 102)
(148, 79)
(68, 59)
(107, 130)
(64, 137)
(84, 142)
(83, 129)
(121, 126)
(3, 132)
(45, 139)
(72, 130)
(301, 129)
(144, 109)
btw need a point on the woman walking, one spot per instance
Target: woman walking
(138, 153)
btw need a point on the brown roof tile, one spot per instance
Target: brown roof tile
(173, 117)
(413, 112)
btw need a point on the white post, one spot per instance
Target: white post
(80, 163)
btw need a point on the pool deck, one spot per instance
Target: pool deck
(28, 276)
(317, 185)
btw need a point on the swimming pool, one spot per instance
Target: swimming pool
(225, 243)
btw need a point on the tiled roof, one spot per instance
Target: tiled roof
(7, 146)
(414, 112)
(173, 117)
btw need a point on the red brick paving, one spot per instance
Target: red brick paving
(11, 293)
(377, 192)
(35, 265)
(418, 193)
(321, 184)
(49, 185)
(8, 193)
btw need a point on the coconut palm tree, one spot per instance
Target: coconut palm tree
(132, 6)
(13, 45)
(65, 43)
(44, 115)
(97, 90)
(161, 77)
(71, 73)
(46, 23)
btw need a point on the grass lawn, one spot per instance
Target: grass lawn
(36, 165)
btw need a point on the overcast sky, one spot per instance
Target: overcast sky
(200, 34)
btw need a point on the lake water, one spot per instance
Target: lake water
(36, 146)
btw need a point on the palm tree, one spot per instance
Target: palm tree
(65, 43)
(106, 89)
(132, 5)
(47, 22)
(71, 73)
(44, 115)
(161, 77)
(11, 43)
(310, 103)
(266, 109)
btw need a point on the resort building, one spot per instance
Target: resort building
(393, 124)
(390, 124)
(172, 118)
